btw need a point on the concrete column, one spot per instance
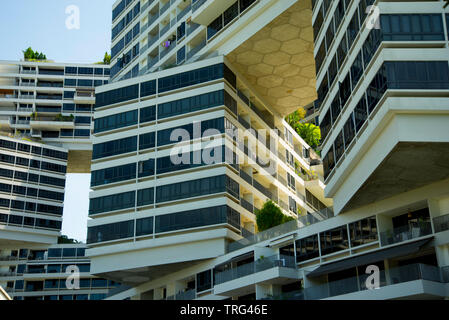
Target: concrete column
(442, 253)
(148, 295)
(175, 287)
(158, 294)
(263, 291)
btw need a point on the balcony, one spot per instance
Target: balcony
(255, 267)
(205, 11)
(196, 49)
(240, 280)
(248, 206)
(407, 281)
(441, 223)
(86, 96)
(52, 123)
(405, 233)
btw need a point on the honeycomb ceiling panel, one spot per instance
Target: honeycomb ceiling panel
(278, 60)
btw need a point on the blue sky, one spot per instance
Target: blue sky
(42, 26)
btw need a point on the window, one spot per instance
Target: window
(363, 231)
(214, 27)
(148, 88)
(144, 226)
(204, 281)
(307, 248)
(145, 197)
(116, 121)
(148, 114)
(197, 218)
(339, 147)
(187, 105)
(349, 130)
(188, 189)
(112, 175)
(117, 95)
(114, 147)
(360, 114)
(54, 253)
(329, 162)
(147, 141)
(112, 202)
(190, 78)
(109, 232)
(334, 240)
(412, 27)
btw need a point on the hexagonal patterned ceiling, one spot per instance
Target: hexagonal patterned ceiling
(278, 60)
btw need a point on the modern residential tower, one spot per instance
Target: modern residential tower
(53, 103)
(190, 137)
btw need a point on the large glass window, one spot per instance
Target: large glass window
(144, 226)
(190, 78)
(334, 240)
(412, 27)
(115, 174)
(116, 121)
(109, 232)
(307, 248)
(112, 202)
(117, 95)
(187, 105)
(114, 147)
(363, 231)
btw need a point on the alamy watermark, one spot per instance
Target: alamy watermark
(373, 21)
(372, 282)
(73, 21)
(73, 279)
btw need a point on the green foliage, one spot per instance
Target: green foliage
(29, 54)
(66, 240)
(107, 58)
(310, 133)
(296, 117)
(270, 216)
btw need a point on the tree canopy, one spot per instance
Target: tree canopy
(29, 54)
(66, 240)
(270, 216)
(308, 131)
(107, 58)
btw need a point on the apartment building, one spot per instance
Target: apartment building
(48, 273)
(383, 84)
(53, 103)
(32, 184)
(184, 154)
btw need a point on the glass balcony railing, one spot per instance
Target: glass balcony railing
(441, 223)
(397, 275)
(405, 233)
(196, 5)
(195, 50)
(255, 267)
(248, 206)
(184, 12)
(164, 8)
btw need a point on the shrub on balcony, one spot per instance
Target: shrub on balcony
(270, 216)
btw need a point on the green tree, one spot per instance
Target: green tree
(107, 58)
(295, 118)
(270, 216)
(310, 133)
(29, 54)
(66, 240)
